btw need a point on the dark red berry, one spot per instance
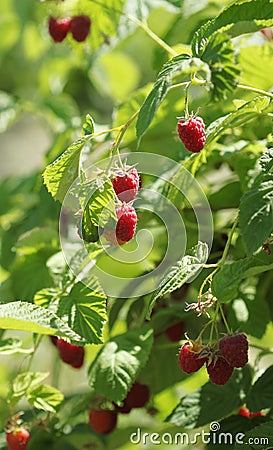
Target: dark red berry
(126, 184)
(190, 357)
(124, 409)
(58, 28)
(138, 396)
(244, 411)
(80, 27)
(219, 370)
(235, 349)
(102, 420)
(176, 332)
(17, 439)
(71, 354)
(192, 133)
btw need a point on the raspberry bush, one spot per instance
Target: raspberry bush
(136, 221)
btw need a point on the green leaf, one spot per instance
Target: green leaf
(261, 437)
(100, 204)
(84, 308)
(226, 282)
(238, 18)
(248, 111)
(12, 345)
(159, 92)
(117, 365)
(256, 213)
(266, 161)
(59, 175)
(89, 125)
(35, 319)
(211, 402)
(260, 395)
(23, 382)
(179, 274)
(45, 398)
(220, 56)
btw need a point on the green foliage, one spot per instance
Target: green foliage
(117, 365)
(79, 103)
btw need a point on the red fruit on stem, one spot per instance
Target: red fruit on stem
(71, 354)
(192, 133)
(244, 411)
(58, 28)
(219, 370)
(175, 332)
(256, 414)
(54, 340)
(138, 396)
(102, 420)
(126, 184)
(190, 358)
(80, 27)
(125, 228)
(234, 348)
(17, 439)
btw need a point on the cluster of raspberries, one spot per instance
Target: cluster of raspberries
(232, 352)
(79, 26)
(125, 184)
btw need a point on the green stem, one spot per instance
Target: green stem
(37, 343)
(255, 90)
(228, 243)
(206, 280)
(224, 318)
(142, 25)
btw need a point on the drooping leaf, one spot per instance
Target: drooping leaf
(238, 18)
(211, 402)
(179, 274)
(45, 398)
(260, 395)
(59, 175)
(256, 213)
(159, 92)
(35, 319)
(261, 437)
(88, 126)
(117, 365)
(226, 282)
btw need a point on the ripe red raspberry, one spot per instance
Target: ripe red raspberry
(219, 370)
(17, 439)
(80, 27)
(125, 228)
(102, 420)
(71, 354)
(54, 340)
(175, 332)
(126, 184)
(58, 28)
(192, 133)
(244, 411)
(190, 358)
(234, 348)
(138, 396)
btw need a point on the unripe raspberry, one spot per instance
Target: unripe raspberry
(58, 28)
(234, 348)
(192, 133)
(126, 184)
(190, 357)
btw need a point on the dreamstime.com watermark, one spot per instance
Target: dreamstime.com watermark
(214, 436)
